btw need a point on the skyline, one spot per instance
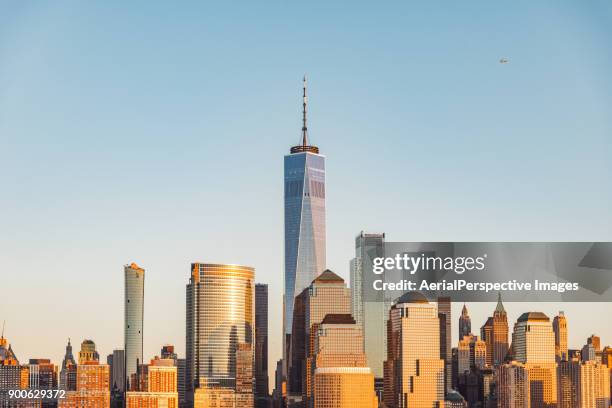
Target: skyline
(92, 184)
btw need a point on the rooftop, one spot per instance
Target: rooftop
(533, 317)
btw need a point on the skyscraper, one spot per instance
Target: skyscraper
(69, 370)
(560, 329)
(93, 378)
(220, 316)
(261, 346)
(116, 362)
(414, 371)
(159, 385)
(472, 354)
(133, 319)
(444, 315)
(371, 314)
(513, 386)
(338, 366)
(495, 333)
(12, 375)
(465, 323)
(533, 341)
(304, 198)
(327, 294)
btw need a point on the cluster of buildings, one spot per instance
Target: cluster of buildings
(340, 348)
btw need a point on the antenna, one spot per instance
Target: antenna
(3, 324)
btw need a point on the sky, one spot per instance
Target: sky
(155, 133)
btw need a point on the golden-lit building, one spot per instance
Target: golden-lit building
(592, 385)
(471, 354)
(513, 387)
(326, 294)
(560, 329)
(88, 352)
(533, 342)
(338, 372)
(92, 384)
(220, 313)
(158, 386)
(214, 397)
(414, 372)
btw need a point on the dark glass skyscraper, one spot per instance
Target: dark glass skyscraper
(261, 345)
(304, 221)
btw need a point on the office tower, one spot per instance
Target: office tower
(513, 386)
(326, 294)
(606, 356)
(159, 385)
(495, 334)
(444, 315)
(593, 387)
(278, 394)
(69, 370)
(88, 352)
(414, 372)
(116, 361)
(93, 381)
(133, 319)
(595, 341)
(567, 381)
(43, 374)
(533, 341)
(220, 315)
(472, 354)
(261, 346)
(338, 366)
(304, 197)
(181, 364)
(370, 313)
(12, 375)
(465, 323)
(560, 329)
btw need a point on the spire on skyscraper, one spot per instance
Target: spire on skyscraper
(304, 146)
(464, 311)
(500, 306)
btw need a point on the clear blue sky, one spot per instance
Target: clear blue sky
(155, 133)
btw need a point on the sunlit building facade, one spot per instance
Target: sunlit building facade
(414, 371)
(304, 208)
(92, 381)
(495, 334)
(159, 389)
(220, 316)
(533, 342)
(513, 389)
(472, 354)
(133, 319)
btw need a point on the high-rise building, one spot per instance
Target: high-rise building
(168, 353)
(472, 354)
(42, 374)
(262, 394)
(513, 386)
(68, 380)
(220, 316)
(414, 371)
(444, 315)
(133, 319)
(116, 361)
(338, 373)
(583, 385)
(305, 235)
(12, 375)
(495, 333)
(93, 379)
(465, 323)
(244, 376)
(159, 385)
(370, 313)
(560, 329)
(588, 353)
(566, 384)
(325, 295)
(533, 342)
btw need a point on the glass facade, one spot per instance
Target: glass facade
(304, 225)
(134, 316)
(220, 316)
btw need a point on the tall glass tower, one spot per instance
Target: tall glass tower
(304, 221)
(134, 316)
